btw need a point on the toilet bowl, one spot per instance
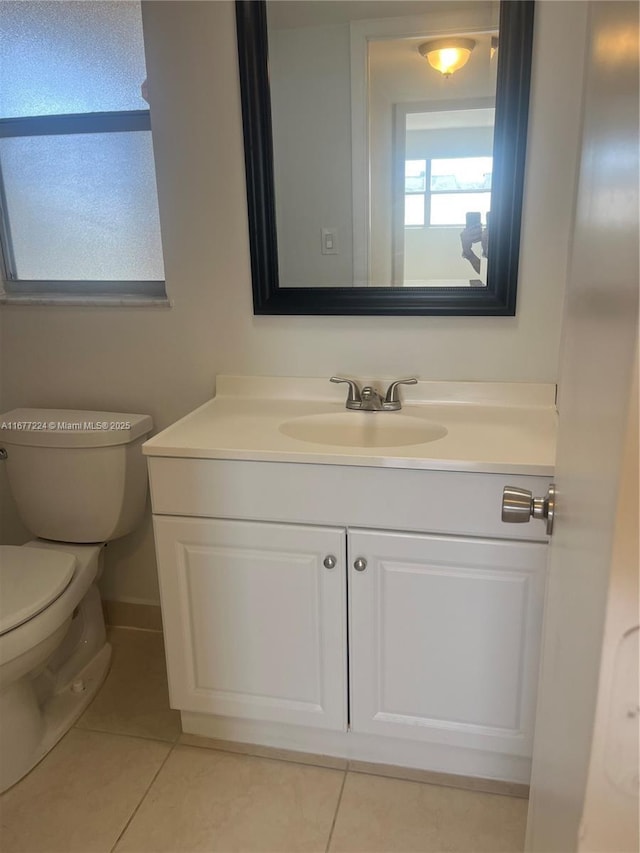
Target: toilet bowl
(53, 650)
(75, 483)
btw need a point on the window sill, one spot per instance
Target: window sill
(86, 301)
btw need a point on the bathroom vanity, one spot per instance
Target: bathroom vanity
(349, 594)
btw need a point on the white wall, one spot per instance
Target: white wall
(163, 361)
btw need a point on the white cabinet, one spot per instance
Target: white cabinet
(255, 624)
(444, 638)
(427, 658)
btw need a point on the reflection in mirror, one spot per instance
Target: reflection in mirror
(443, 162)
(430, 152)
(374, 184)
(338, 224)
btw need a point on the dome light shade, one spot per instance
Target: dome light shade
(447, 55)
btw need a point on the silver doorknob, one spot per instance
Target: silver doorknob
(519, 505)
(360, 564)
(329, 562)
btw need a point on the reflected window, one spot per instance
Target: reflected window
(415, 187)
(441, 192)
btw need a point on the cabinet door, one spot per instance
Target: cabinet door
(444, 638)
(254, 622)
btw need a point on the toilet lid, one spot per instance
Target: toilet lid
(30, 579)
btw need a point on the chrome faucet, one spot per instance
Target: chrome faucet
(371, 400)
(354, 398)
(391, 402)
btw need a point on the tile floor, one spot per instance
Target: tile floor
(124, 780)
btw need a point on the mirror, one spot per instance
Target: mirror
(375, 184)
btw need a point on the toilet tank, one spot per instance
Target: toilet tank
(76, 476)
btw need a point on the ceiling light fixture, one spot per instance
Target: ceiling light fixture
(447, 55)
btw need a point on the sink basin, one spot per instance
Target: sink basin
(363, 429)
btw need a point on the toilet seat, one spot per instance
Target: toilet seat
(30, 579)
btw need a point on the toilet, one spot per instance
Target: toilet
(79, 480)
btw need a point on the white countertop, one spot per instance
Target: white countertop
(500, 428)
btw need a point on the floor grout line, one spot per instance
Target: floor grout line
(143, 797)
(229, 750)
(166, 742)
(335, 817)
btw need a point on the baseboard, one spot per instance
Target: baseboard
(420, 762)
(410, 774)
(128, 614)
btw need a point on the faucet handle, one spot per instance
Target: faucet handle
(353, 396)
(392, 400)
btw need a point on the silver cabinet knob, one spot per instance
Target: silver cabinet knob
(360, 564)
(329, 562)
(519, 505)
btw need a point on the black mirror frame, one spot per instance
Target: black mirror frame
(510, 139)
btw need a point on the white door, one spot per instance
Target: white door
(610, 819)
(600, 330)
(254, 620)
(444, 639)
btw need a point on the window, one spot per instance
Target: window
(442, 191)
(415, 188)
(78, 200)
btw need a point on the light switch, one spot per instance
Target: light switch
(329, 241)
